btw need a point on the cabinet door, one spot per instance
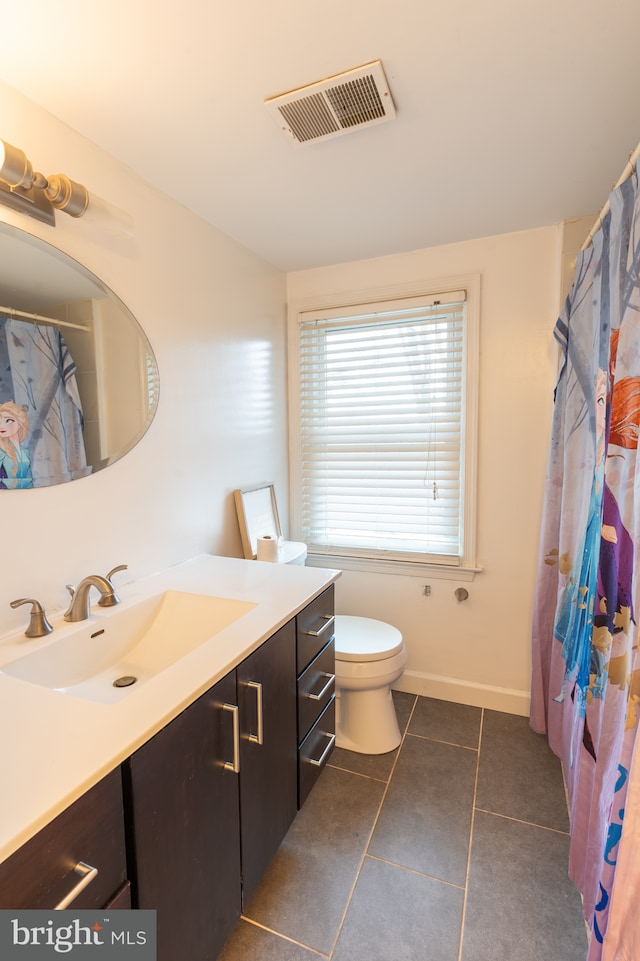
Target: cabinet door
(57, 861)
(316, 749)
(316, 687)
(315, 627)
(268, 752)
(185, 825)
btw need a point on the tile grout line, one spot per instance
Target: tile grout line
(473, 814)
(283, 937)
(420, 874)
(373, 827)
(440, 740)
(369, 777)
(531, 824)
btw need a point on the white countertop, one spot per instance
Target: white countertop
(54, 746)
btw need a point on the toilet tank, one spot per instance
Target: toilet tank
(292, 552)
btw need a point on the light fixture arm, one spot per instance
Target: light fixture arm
(62, 193)
(38, 196)
(65, 194)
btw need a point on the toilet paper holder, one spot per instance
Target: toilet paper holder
(461, 593)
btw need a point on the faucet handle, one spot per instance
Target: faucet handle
(72, 591)
(39, 626)
(110, 600)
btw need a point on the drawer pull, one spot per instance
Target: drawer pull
(318, 697)
(330, 620)
(234, 765)
(331, 741)
(87, 874)
(257, 738)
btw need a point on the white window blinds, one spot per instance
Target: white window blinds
(381, 408)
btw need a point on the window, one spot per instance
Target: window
(383, 464)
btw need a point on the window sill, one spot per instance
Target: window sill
(373, 565)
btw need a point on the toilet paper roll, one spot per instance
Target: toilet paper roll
(267, 549)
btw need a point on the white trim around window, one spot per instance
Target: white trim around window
(450, 303)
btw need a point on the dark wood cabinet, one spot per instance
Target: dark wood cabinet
(268, 752)
(315, 665)
(315, 750)
(82, 850)
(189, 823)
(315, 626)
(181, 790)
(211, 797)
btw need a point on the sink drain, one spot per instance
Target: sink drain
(125, 681)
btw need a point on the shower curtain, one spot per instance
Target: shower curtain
(37, 374)
(586, 663)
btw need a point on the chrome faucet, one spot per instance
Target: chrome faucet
(79, 608)
(39, 626)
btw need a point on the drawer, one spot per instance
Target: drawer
(316, 687)
(48, 867)
(314, 628)
(315, 751)
(121, 900)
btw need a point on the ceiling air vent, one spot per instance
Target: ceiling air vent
(335, 106)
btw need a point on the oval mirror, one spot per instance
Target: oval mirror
(78, 378)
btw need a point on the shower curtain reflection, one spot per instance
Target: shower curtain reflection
(41, 420)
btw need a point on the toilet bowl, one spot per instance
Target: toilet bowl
(370, 657)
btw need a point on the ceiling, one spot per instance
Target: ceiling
(510, 114)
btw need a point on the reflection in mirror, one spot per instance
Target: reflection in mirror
(78, 378)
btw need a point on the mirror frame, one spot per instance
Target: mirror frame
(257, 516)
(109, 441)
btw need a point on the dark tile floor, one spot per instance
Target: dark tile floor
(452, 848)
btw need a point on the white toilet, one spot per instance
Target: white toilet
(370, 656)
(292, 552)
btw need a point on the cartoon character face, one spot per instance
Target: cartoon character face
(9, 427)
(14, 423)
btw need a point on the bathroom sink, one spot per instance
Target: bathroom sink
(128, 645)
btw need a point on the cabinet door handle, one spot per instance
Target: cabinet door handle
(87, 874)
(330, 619)
(318, 697)
(331, 741)
(257, 738)
(234, 765)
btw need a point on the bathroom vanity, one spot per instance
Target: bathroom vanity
(181, 791)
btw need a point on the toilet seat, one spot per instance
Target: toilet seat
(365, 639)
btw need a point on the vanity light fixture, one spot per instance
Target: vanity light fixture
(24, 189)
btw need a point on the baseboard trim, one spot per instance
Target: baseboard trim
(465, 692)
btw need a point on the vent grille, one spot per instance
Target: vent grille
(309, 118)
(335, 106)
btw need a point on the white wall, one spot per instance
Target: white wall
(215, 316)
(477, 651)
